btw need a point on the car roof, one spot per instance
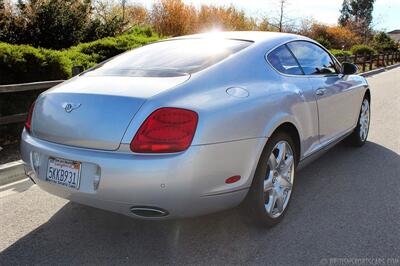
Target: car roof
(254, 36)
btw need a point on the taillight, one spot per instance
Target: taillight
(166, 130)
(28, 121)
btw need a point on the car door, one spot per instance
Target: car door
(334, 95)
(293, 79)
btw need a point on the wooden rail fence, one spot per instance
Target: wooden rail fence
(365, 63)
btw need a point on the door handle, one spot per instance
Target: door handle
(320, 92)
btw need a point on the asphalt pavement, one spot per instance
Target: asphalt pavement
(345, 211)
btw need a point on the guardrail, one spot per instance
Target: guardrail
(32, 86)
(365, 63)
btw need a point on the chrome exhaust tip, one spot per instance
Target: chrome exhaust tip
(148, 212)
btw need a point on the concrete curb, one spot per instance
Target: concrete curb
(11, 172)
(379, 70)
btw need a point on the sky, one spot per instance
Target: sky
(386, 12)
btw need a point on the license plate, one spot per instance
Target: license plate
(64, 172)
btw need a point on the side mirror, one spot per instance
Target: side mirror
(349, 68)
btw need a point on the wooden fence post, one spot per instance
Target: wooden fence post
(363, 62)
(76, 70)
(377, 60)
(388, 59)
(371, 59)
(383, 60)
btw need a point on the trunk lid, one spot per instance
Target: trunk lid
(94, 112)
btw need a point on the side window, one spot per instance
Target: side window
(283, 61)
(312, 58)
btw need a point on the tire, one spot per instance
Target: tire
(260, 204)
(360, 133)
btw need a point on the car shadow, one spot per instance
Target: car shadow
(333, 213)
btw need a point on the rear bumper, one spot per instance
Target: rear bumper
(185, 184)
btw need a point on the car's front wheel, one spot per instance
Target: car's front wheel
(273, 183)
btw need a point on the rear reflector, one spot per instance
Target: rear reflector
(28, 121)
(232, 179)
(166, 130)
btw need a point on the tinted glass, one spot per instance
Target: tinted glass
(312, 58)
(170, 58)
(283, 61)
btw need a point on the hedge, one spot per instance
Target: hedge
(23, 63)
(340, 53)
(103, 49)
(361, 49)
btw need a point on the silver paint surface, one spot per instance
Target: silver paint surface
(230, 136)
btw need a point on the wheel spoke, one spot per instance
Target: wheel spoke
(363, 108)
(273, 163)
(271, 202)
(282, 152)
(268, 185)
(280, 201)
(286, 167)
(285, 183)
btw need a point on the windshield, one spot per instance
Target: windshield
(170, 58)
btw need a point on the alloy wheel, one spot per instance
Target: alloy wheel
(279, 179)
(364, 120)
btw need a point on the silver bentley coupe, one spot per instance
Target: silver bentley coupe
(194, 125)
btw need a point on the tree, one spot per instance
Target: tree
(53, 23)
(223, 18)
(173, 17)
(280, 22)
(383, 43)
(357, 16)
(345, 13)
(281, 9)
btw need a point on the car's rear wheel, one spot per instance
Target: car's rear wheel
(273, 183)
(360, 133)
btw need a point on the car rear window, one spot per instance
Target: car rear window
(283, 61)
(170, 58)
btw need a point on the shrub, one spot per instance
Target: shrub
(224, 18)
(383, 43)
(79, 59)
(340, 53)
(361, 49)
(324, 42)
(173, 17)
(338, 37)
(341, 37)
(23, 63)
(103, 49)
